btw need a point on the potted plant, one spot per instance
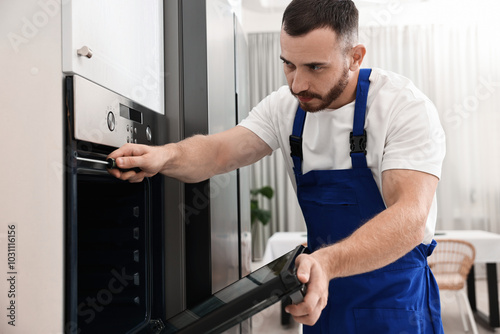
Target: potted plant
(258, 214)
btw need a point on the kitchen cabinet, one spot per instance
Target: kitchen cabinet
(117, 44)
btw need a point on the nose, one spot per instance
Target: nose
(300, 82)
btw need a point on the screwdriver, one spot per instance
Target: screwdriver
(110, 163)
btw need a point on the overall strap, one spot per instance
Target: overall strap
(358, 134)
(296, 140)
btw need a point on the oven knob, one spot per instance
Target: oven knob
(149, 134)
(111, 121)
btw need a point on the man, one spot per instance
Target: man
(364, 149)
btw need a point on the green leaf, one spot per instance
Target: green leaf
(262, 215)
(267, 191)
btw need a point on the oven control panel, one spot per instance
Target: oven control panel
(104, 117)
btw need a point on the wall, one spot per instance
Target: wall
(386, 12)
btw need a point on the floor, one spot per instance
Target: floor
(269, 320)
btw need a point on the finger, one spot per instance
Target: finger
(307, 312)
(306, 307)
(129, 150)
(125, 150)
(132, 176)
(309, 319)
(129, 162)
(115, 172)
(303, 265)
(139, 177)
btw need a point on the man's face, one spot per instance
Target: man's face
(316, 69)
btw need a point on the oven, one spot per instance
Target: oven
(114, 229)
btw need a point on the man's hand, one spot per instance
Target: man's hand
(150, 159)
(310, 272)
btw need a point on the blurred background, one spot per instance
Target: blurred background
(450, 50)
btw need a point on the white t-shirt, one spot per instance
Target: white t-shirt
(402, 125)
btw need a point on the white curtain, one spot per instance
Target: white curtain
(458, 68)
(266, 75)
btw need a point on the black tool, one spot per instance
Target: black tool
(110, 164)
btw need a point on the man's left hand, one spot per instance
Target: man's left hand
(311, 273)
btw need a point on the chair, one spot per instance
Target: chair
(450, 263)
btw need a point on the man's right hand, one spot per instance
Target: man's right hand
(150, 159)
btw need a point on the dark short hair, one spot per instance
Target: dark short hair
(303, 16)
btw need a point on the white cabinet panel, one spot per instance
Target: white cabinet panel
(126, 40)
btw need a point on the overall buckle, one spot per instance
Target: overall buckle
(358, 143)
(296, 146)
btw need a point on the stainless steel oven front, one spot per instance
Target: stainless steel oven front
(114, 229)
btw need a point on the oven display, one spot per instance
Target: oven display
(130, 114)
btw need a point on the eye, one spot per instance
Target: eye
(315, 67)
(287, 63)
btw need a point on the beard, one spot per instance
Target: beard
(329, 98)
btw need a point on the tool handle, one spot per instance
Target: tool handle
(112, 165)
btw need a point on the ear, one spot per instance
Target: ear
(357, 54)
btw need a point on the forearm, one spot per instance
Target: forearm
(191, 160)
(379, 242)
(200, 157)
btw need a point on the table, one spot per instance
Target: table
(281, 243)
(487, 247)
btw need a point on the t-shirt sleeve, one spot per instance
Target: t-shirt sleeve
(260, 121)
(415, 139)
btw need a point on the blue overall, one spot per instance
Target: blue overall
(401, 297)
